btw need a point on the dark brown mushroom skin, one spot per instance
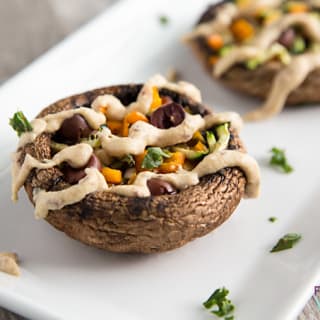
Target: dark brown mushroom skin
(131, 224)
(256, 82)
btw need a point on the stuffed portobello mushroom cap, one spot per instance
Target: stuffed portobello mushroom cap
(131, 224)
(257, 82)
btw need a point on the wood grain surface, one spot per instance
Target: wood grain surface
(29, 28)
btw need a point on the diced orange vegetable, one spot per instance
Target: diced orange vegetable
(298, 7)
(177, 158)
(156, 99)
(243, 3)
(215, 41)
(198, 136)
(103, 109)
(242, 29)
(131, 118)
(135, 116)
(213, 60)
(115, 126)
(139, 159)
(168, 167)
(112, 176)
(173, 163)
(125, 129)
(200, 146)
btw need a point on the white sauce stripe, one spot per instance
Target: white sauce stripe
(285, 82)
(115, 110)
(77, 156)
(55, 200)
(52, 123)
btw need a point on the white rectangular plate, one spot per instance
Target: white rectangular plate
(62, 278)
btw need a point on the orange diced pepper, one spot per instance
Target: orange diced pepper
(242, 29)
(168, 167)
(139, 159)
(112, 176)
(103, 109)
(177, 158)
(213, 60)
(173, 163)
(115, 126)
(131, 118)
(198, 136)
(215, 41)
(135, 116)
(298, 7)
(200, 146)
(156, 99)
(243, 3)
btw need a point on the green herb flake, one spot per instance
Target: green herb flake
(273, 219)
(164, 20)
(223, 306)
(20, 123)
(154, 158)
(286, 242)
(279, 159)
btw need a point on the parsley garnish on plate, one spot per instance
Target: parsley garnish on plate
(154, 158)
(164, 20)
(279, 160)
(223, 306)
(286, 242)
(20, 123)
(273, 219)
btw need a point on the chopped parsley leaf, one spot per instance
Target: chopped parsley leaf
(164, 20)
(223, 306)
(20, 123)
(286, 242)
(279, 160)
(154, 158)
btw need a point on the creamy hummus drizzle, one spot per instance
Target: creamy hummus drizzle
(54, 200)
(224, 17)
(52, 123)
(141, 134)
(262, 41)
(211, 163)
(115, 110)
(77, 156)
(285, 82)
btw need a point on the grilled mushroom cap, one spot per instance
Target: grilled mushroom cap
(256, 82)
(130, 224)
